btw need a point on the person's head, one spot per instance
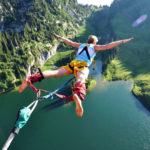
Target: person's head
(92, 39)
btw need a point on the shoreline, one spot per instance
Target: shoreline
(140, 87)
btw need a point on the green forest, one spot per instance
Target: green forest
(26, 29)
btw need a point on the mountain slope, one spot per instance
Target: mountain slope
(129, 61)
(26, 28)
(134, 57)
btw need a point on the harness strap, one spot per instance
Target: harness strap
(41, 73)
(64, 97)
(33, 87)
(36, 77)
(72, 68)
(52, 93)
(86, 50)
(80, 90)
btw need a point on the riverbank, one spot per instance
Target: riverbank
(141, 87)
(54, 121)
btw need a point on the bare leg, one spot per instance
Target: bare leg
(82, 76)
(55, 73)
(49, 73)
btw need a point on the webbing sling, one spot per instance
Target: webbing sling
(51, 94)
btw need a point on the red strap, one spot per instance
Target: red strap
(33, 87)
(64, 97)
(80, 90)
(59, 95)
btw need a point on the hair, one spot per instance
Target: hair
(92, 39)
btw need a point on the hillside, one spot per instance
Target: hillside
(26, 40)
(26, 28)
(130, 61)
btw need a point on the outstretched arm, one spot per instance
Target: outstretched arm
(69, 42)
(111, 45)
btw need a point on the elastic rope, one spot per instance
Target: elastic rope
(50, 95)
(63, 85)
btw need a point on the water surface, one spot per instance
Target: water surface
(113, 119)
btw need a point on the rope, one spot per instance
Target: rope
(25, 113)
(51, 95)
(22, 118)
(33, 87)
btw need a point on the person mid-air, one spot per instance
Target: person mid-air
(79, 66)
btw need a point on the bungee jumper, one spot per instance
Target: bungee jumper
(79, 66)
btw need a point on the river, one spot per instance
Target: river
(113, 119)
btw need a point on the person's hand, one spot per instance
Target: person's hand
(56, 35)
(126, 40)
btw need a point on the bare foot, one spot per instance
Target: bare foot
(79, 108)
(23, 86)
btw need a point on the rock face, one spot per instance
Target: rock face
(46, 55)
(72, 12)
(1, 10)
(29, 68)
(42, 59)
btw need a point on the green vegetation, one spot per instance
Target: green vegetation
(141, 89)
(59, 59)
(131, 60)
(134, 57)
(90, 83)
(116, 71)
(26, 29)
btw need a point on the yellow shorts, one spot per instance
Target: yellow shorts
(75, 66)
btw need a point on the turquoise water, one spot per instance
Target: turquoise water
(113, 119)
